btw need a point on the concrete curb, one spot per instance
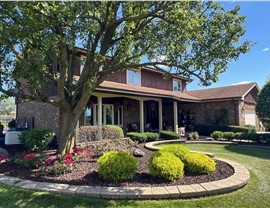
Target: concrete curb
(153, 145)
(236, 181)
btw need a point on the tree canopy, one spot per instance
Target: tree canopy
(39, 43)
(263, 103)
(7, 106)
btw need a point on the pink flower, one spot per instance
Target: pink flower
(49, 161)
(29, 156)
(68, 156)
(68, 161)
(3, 157)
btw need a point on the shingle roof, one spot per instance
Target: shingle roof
(126, 88)
(234, 91)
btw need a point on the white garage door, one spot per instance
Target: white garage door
(250, 117)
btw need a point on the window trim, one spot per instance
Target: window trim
(180, 81)
(82, 58)
(133, 70)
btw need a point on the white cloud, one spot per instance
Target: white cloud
(265, 49)
(243, 82)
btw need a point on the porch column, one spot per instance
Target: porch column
(160, 115)
(175, 116)
(94, 115)
(141, 117)
(100, 111)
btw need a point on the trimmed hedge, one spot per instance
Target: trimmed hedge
(168, 135)
(151, 136)
(176, 149)
(166, 165)
(135, 136)
(229, 135)
(112, 132)
(255, 137)
(89, 133)
(217, 135)
(199, 163)
(117, 166)
(208, 129)
(96, 133)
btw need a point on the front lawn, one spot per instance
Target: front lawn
(255, 194)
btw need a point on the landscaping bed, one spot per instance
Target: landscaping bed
(85, 173)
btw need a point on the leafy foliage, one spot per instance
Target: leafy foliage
(229, 135)
(263, 103)
(166, 165)
(168, 135)
(112, 132)
(203, 129)
(7, 106)
(176, 149)
(194, 135)
(38, 46)
(151, 136)
(217, 135)
(29, 160)
(36, 139)
(199, 163)
(117, 166)
(139, 137)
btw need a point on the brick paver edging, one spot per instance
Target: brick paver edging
(234, 182)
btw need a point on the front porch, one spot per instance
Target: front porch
(136, 113)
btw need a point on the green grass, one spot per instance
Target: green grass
(255, 194)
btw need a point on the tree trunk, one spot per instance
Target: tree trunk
(68, 122)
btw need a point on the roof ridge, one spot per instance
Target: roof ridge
(251, 83)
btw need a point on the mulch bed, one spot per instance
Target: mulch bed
(85, 173)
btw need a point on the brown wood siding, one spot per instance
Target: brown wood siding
(251, 97)
(155, 80)
(184, 86)
(77, 69)
(120, 77)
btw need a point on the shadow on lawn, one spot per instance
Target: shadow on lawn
(250, 151)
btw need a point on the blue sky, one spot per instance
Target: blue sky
(253, 66)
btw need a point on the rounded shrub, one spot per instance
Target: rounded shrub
(117, 128)
(199, 163)
(229, 135)
(117, 166)
(217, 134)
(37, 139)
(135, 136)
(168, 135)
(177, 149)
(166, 165)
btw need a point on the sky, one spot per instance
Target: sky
(253, 66)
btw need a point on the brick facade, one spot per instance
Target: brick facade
(211, 112)
(44, 115)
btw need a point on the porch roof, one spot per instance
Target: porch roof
(144, 91)
(234, 91)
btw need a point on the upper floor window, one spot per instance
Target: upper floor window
(83, 61)
(177, 86)
(133, 77)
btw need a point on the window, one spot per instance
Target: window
(109, 115)
(83, 61)
(133, 77)
(177, 85)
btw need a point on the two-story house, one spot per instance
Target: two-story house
(143, 100)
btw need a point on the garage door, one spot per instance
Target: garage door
(250, 117)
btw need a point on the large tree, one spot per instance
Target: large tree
(7, 106)
(38, 43)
